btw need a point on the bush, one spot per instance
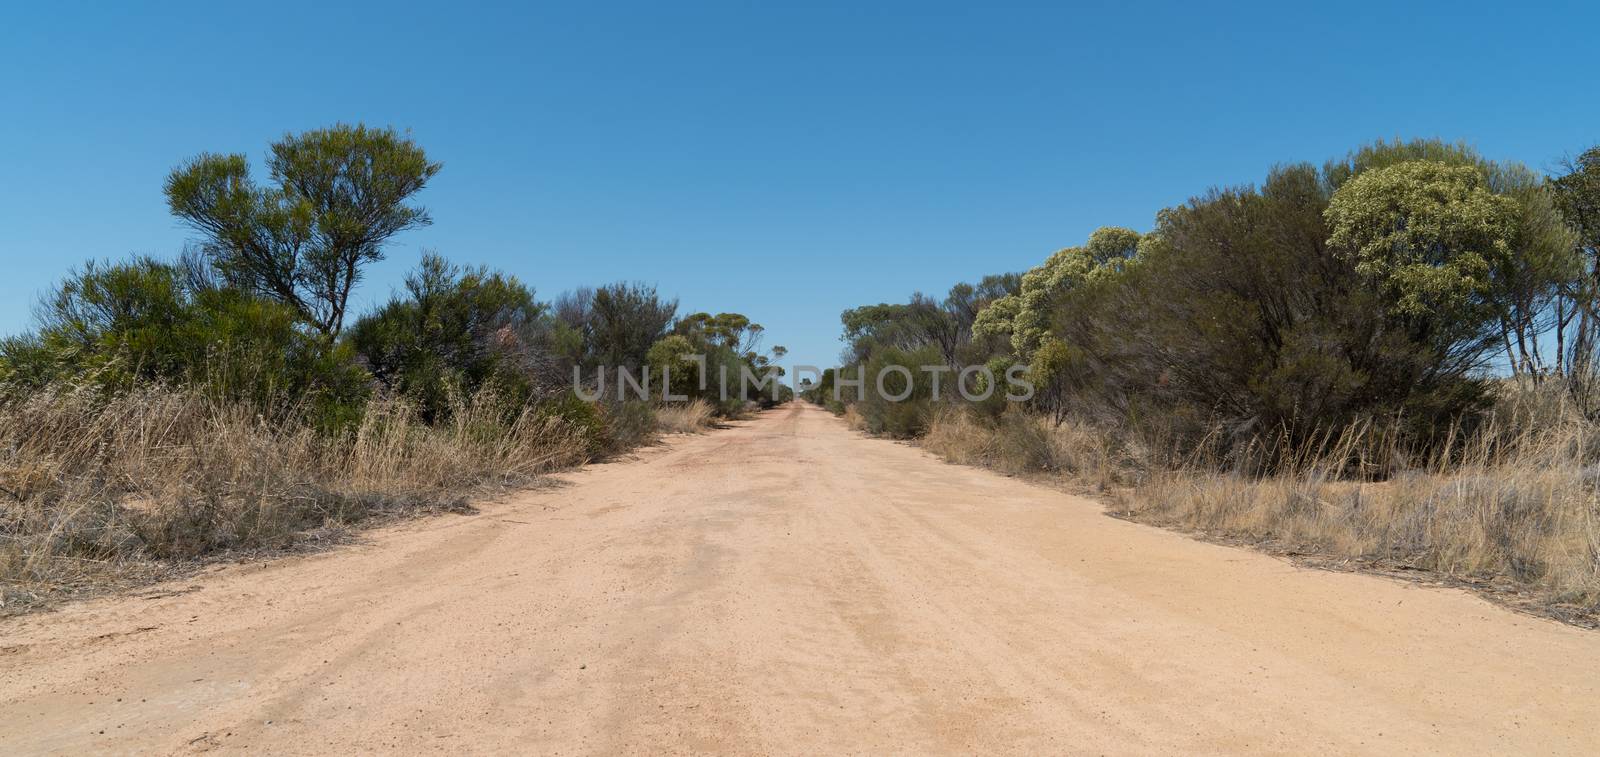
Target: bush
(627, 424)
(719, 339)
(455, 332)
(118, 326)
(584, 418)
(902, 374)
(623, 321)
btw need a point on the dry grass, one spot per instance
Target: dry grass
(1020, 443)
(688, 418)
(100, 492)
(853, 419)
(1513, 508)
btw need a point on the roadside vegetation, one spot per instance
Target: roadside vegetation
(226, 402)
(1386, 361)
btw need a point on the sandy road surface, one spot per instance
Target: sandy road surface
(789, 587)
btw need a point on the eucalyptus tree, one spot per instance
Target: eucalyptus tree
(1577, 196)
(333, 199)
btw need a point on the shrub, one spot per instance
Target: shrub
(584, 418)
(902, 374)
(627, 424)
(456, 331)
(1018, 442)
(672, 368)
(119, 325)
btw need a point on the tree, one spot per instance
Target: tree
(925, 321)
(965, 301)
(724, 346)
(1457, 258)
(335, 198)
(732, 330)
(1577, 197)
(1543, 266)
(672, 357)
(625, 320)
(1430, 236)
(1539, 264)
(1025, 316)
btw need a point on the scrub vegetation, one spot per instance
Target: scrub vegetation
(226, 401)
(1386, 361)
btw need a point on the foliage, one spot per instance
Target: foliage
(1428, 236)
(732, 330)
(1238, 316)
(1576, 193)
(584, 418)
(707, 358)
(1380, 286)
(1539, 261)
(1025, 316)
(454, 331)
(623, 321)
(117, 325)
(337, 195)
(899, 397)
(672, 365)
(627, 424)
(947, 325)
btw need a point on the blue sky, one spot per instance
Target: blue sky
(785, 160)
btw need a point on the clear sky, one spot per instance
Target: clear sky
(785, 160)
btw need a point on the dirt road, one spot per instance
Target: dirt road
(787, 586)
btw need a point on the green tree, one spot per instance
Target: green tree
(924, 321)
(730, 344)
(1456, 256)
(335, 198)
(732, 330)
(672, 357)
(1539, 265)
(624, 320)
(1025, 317)
(1430, 236)
(1577, 197)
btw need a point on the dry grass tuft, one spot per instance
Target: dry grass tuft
(689, 418)
(853, 419)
